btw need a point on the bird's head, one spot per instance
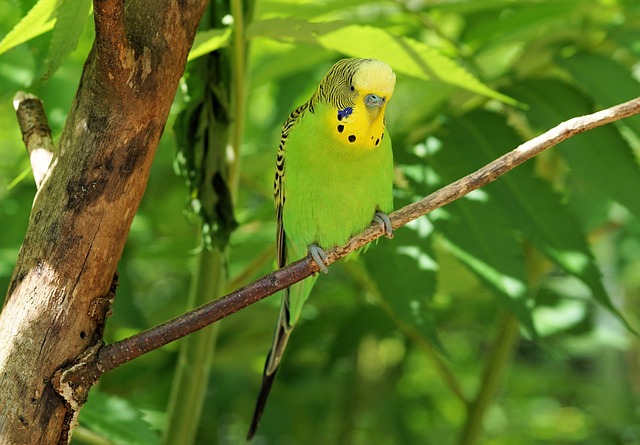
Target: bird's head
(358, 90)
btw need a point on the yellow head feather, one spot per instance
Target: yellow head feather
(374, 77)
(358, 91)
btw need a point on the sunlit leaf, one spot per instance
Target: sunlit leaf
(601, 157)
(405, 55)
(497, 21)
(38, 20)
(480, 236)
(608, 82)
(535, 210)
(117, 419)
(209, 41)
(292, 29)
(405, 274)
(71, 16)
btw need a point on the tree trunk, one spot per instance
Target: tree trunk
(60, 291)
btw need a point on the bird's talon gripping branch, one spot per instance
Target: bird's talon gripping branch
(383, 219)
(319, 257)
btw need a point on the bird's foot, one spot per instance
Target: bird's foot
(320, 257)
(383, 219)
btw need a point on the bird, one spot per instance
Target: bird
(333, 178)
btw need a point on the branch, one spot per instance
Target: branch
(115, 354)
(36, 133)
(111, 34)
(58, 296)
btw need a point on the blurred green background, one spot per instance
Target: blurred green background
(499, 319)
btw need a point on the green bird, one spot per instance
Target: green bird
(334, 174)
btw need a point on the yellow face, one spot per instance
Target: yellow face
(363, 124)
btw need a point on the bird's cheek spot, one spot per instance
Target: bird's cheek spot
(340, 128)
(352, 138)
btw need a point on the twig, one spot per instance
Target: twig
(113, 355)
(36, 133)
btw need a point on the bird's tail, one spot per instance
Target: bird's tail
(281, 337)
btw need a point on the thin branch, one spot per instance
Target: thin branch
(36, 133)
(113, 355)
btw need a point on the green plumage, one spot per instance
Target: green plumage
(334, 171)
(332, 191)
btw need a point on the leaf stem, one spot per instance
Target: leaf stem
(238, 79)
(497, 362)
(196, 355)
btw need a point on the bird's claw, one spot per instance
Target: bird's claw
(383, 219)
(320, 257)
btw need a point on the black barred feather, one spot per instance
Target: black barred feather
(336, 89)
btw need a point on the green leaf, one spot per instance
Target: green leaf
(534, 208)
(495, 22)
(478, 232)
(39, 19)
(480, 235)
(208, 41)
(600, 157)
(405, 55)
(201, 133)
(117, 420)
(292, 29)
(405, 275)
(71, 17)
(607, 82)
(308, 9)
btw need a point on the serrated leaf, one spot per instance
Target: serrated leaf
(307, 9)
(500, 21)
(71, 16)
(534, 208)
(208, 41)
(478, 232)
(117, 420)
(39, 19)
(292, 29)
(405, 55)
(480, 236)
(405, 275)
(600, 157)
(605, 81)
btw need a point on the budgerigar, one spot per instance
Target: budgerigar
(334, 173)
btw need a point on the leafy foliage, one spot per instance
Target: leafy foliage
(395, 345)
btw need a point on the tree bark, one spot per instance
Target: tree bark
(61, 288)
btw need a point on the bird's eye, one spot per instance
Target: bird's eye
(353, 88)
